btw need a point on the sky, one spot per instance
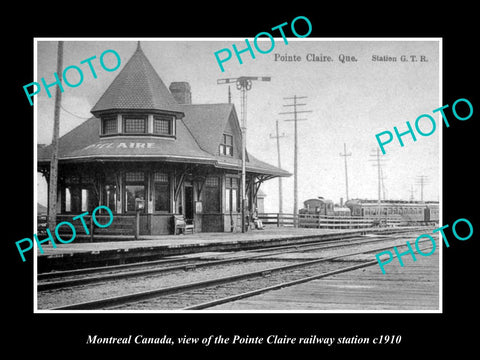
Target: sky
(350, 103)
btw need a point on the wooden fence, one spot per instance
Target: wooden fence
(327, 222)
(122, 225)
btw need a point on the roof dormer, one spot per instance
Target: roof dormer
(137, 102)
(138, 124)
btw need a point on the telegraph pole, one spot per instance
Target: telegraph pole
(377, 163)
(52, 186)
(411, 193)
(295, 161)
(379, 179)
(243, 83)
(345, 158)
(383, 184)
(422, 180)
(280, 196)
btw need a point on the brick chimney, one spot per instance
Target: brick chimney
(181, 92)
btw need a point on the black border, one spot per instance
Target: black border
(61, 335)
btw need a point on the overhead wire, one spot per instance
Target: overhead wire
(69, 112)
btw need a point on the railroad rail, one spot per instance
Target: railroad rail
(230, 287)
(74, 277)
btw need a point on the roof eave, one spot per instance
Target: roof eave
(99, 113)
(254, 169)
(100, 158)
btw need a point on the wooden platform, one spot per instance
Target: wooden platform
(412, 287)
(76, 255)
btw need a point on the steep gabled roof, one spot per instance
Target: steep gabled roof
(207, 122)
(199, 128)
(136, 87)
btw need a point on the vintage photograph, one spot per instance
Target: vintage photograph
(301, 178)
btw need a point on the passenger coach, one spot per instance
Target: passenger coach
(409, 211)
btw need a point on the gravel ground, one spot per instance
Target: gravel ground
(78, 294)
(189, 298)
(61, 297)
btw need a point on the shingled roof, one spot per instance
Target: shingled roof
(137, 87)
(207, 122)
(83, 143)
(199, 127)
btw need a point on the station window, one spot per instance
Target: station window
(162, 192)
(75, 199)
(231, 194)
(226, 147)
(212, 194)
(85, 198)
(162, 125)
(68, 200)
(109, 125)
(110, 199)
(134, 124)
(78, 195)
(134, 188)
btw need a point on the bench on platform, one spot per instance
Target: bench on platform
(180, 225)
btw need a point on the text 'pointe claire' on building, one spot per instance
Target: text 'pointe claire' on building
(146, 142)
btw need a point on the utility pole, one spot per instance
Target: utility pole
(379, 179)
(345, 158)
(280, 196)
(52, 192)
(377, 163)
(411, 193)
(421, 180)
(243, 83)
(383, 184)
(295, 161)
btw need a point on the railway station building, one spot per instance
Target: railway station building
(149, 142)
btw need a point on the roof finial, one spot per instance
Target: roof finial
(138, 45)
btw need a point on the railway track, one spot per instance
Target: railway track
(178, 259)
(70, 278)
(216, 290)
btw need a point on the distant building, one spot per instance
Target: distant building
(41, 210)
(146, 142)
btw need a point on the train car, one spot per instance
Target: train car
(397, 212)
(355, 207)
(319, 206)
(341, 211)
(432, 212)
(410, 212)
